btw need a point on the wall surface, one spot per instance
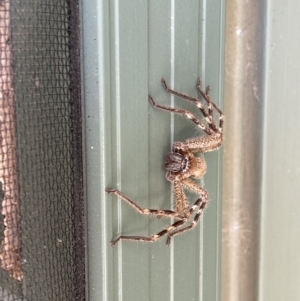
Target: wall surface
(128, 46)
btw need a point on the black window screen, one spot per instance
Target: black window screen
(41, 222)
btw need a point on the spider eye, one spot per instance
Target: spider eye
(176, 162)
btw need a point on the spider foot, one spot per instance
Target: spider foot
(164, 84)
(112, 243)
(152, 101)
(198, 82)
(207, 89)
(108, 190)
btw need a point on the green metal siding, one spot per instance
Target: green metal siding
(128, 46)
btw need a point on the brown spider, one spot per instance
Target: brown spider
(181, 164)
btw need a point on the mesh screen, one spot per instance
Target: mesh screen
(41, 222)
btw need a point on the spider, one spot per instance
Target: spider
(182, 165)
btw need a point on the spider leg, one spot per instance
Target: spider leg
(157, 212)
(187, 114)
(191, 226)
(205, 95)
(198, 103)
(153, 237)
(182, 205)
(207, 99)
(182, 213)
(201, 144)
(198, 207)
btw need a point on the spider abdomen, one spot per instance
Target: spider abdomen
(200, 168)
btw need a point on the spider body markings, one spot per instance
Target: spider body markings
(182, 165)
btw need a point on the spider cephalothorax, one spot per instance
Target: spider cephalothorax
(182, 166)
(177, 163)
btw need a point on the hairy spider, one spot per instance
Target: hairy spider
(182, 165)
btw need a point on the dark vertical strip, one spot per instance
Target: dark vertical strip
(76, 120)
